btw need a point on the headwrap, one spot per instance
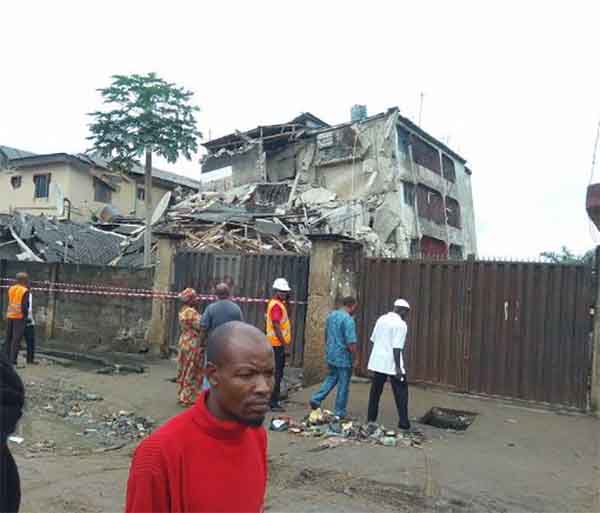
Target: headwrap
(188, 296)
(12, 398)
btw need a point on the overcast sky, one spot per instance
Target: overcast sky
(513, 86)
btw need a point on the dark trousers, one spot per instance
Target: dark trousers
(30, 339)
(279, 353)
(15, 329)
(400, 389)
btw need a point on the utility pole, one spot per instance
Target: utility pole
(148, 203)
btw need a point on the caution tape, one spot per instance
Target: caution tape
(80, 289)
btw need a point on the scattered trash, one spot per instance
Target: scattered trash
(510, 421)
(511, 444)
(279, 425)
(323, 424)
(16, 439)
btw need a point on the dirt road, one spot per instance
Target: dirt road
(80, 429)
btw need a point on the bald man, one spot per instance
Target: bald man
(212, 457)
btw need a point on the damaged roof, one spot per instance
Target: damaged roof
(51, 240)
(305, 121)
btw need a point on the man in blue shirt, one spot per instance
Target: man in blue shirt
(340, 336)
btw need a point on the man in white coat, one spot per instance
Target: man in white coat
(386, 361)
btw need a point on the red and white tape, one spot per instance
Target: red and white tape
(101, 290)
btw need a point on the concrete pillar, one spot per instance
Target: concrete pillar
(595, 391)
(158, 337)
(335, 264)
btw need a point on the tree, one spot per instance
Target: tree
(144, 115)
(566, 256)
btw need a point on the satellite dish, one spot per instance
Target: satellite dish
(161, 208)
(59, 199)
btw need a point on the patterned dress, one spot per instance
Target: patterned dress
(191, 357)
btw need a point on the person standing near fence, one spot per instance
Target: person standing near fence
(279, 334)
(190, 360)
(387, 361)
(16, 316)
(222, 311)
(340, 341)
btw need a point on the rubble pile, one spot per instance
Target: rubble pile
(323, 424)
(41, 239)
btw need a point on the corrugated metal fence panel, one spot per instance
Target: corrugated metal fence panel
(435, 292)
(530, 333)
(248, 276)
(510, 329)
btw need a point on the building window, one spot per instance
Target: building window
(430, 204)
(452, 212)
(409, 193)
(425, 155)
(16, 181)
(433, 248)
(141, 193)
(455, 252)
(449, 170)
(102, 192)
(42, 186)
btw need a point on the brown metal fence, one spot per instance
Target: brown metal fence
(511, 329)
(250, 276)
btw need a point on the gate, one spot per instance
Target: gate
(508, 329)
(250, 277)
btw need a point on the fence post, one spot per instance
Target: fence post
(335, 263)
(595, 389)
(163, 273)
(466, 322)
(51, 314)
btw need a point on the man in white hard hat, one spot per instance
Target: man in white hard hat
(386, 361)
(279, 334)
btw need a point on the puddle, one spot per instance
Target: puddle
(446, 418)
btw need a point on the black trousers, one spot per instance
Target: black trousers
(400, 389)
(15, 329)
(30, 339)
(279, 353)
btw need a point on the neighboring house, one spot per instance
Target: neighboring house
(392, 177)
(29, 184)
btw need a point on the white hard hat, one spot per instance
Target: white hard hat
(282, 285)
(401, 303)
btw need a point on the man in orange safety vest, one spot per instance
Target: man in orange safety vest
(16, 316)
(279, 334)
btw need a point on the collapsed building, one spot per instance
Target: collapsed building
(380, 179)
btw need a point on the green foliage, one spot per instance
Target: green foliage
(144, 110)
(566, 256)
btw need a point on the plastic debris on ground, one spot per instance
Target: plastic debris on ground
(324, 424)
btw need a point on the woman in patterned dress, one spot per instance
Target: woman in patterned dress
(190, 360)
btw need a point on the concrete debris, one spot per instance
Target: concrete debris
(317, 196)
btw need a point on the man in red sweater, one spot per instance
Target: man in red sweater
(213, 457)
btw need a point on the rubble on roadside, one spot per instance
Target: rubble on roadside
(55, 397)
(334, 431)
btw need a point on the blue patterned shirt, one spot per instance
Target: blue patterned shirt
(340, 332)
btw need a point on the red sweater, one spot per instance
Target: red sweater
(196, 463)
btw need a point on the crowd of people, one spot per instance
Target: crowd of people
(213, 456)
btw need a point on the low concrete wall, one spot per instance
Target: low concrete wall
(87, 322)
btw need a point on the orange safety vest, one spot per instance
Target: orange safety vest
(284, 324)
(15, 302)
